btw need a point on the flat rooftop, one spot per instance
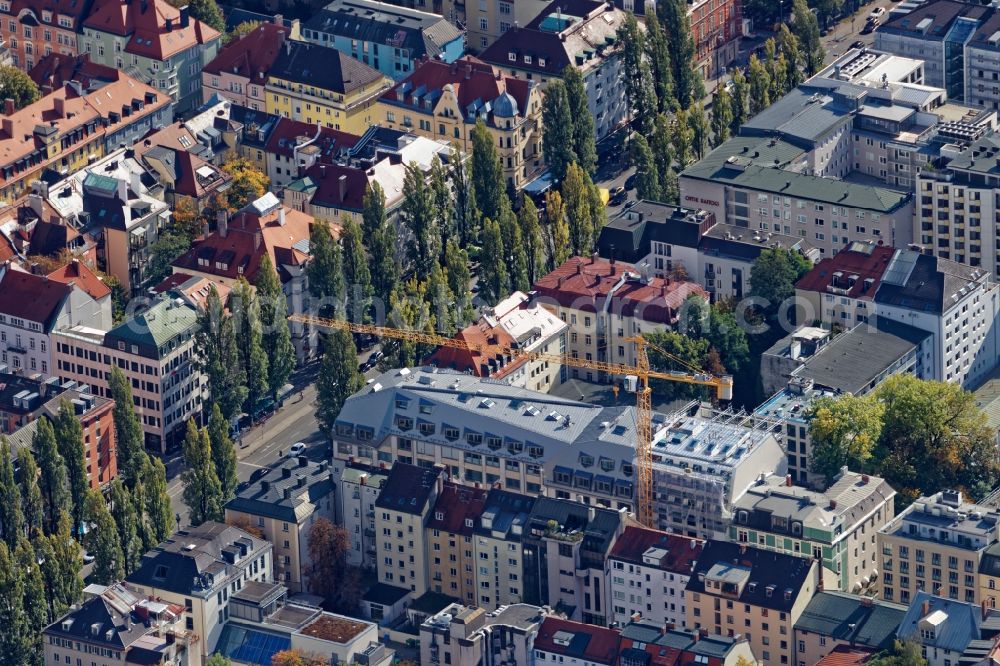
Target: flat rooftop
(335, 628)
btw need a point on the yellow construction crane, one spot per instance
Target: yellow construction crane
(641, 371)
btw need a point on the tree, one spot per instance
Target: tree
(18, 86)
(34, 602)
(381, 244)
(741, 100)
(208, 12)
(487, 172)
(241, 31)
(788, 44)
(774, 272)
(325, 272)
(218, 355)
(557, 130)
(373, 209)
(14, 639)
(129, 449)
(658, 55)
(444, 205)
(163, 252)
(688, 86)
(31, 493)
(534, 244)
(557, 236)
(647, 185)
(903, 653)
(11, 516)
(223, 453)
(297, 658)
(661, 145)
(494, 281)
(59, 555)
(844, 432)
(513, 250)
(419, 215)
(584, 132)
(52, 481)
(248, 184)
(681, 139)
(69, 439)
(126, 521)
(630, 37)
(459, 277)
(218, 660)
(245, 310)
(575, 192)
(697, 123)
(466, 213)
(694, 351)
(805, 27)
(338, 379)
(158, 510)
(646, 111)
(103, 542)
(409, 310)
(276, 337)
(722, 116)
(328, 546)
(759, 86)
(143, 523)
(598, 212)
(202, 489)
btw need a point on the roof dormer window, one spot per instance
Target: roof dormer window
(510, 56)
(527, 60)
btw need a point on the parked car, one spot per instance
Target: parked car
(617, 196)
(295, 449)
(87, 557)
(876, 14)
(869, 27)
(376, 356)
(860, 44)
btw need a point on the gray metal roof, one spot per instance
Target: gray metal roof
(858, 620)
(289, 492)
(960, 627)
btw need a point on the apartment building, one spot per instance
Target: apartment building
(200, 569)
(835, 620)
(34, 307)
(648, 571)
(240, 70)
(464, 634)
(840, 290)
(388, 37)
(31, 30)
(357, 493)
(154, 349)
(605, 302)
(284, 504)
(341, 94)
(237, 246)
(646, 644)
(836, 527)
(444, 101)
(402, 510)
(581, 34)
(752, 591)
(957, 194)
(565, 546)
(489, 20)
(189, 180)
(154, 42)
(451, 559)
(559, 641)
(105, 627)
(498, 535)
(516, 322)
(936, 545)
(292, 148)
(946, 629)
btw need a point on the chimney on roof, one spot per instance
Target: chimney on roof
(46, 89)
(322, 171)
(8, 107)
(8, 127)
(185, 16)
(925, 608)
(281, 216)
(342, 184)
(279, 19)
(59, 105)
(288, 48)
(257, 237)
(579, 267)
(170, 24)
(788, 480)
(222, 222)
(468, 70)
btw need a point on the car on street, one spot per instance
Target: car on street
(296, 449)
(876, 14)
(257, 473)
(617, 196)
(630, 182)
(87, 557)
(860, 44)
(869, 27)
(376, 357)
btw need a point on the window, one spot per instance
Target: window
(484, 24)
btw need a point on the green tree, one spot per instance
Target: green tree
(103, 542)
(494, 280)
(223, 453)
(59, 557)
(466, 212)
(774, 272)
(208, 12)
(577, 197)
(158, 510)
(844, 432)
(759, 86)
(658, 55)
(584, 132)
(241, 31)
(35, 603)
(245, 310)
(69, 439)
(598, 212)
(163, 252)
(661, 144)
(741, 100)
(218, 660)
(557, 130)
(338, 379)
(693, 351)
(688, 86)
(444, 205)
(143, 523)
(248, 183)
(903, 653)
(788, 44)
(52, 481)
(129, 449)
(513, 250)
(633, 54)
(276, 338)
(645, 113)
(534, 243)
(18, 86)
(14, 639)
(126, 521)
(219, 356)
(373, 209)
(487, 172)
(325, 272)
(722, 116)
(459, 277)
(409, 309)
(647, 184)
(385, 270)
(805, 27)
(419, 215)
(700, 130)
(557, 236)
(440, 300)
(202, 490)
(682, 139)
(31, 493)
(12, 526)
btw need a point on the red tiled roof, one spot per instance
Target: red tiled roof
(475, 361)
(863, 261)
(32, 297)
(282, 139)
(58, 69)
(470, 78)
(585, 284)
(589, 642)
(682, 551)
(144, 22)
(845, 655)
(72, 8)
(77, 273)
(455, 505)
(252, 55)
(326, 178)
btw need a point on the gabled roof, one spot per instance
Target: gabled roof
(671, 552)
(408, 488)
(849, 271)
(76, 273)
(956, 624)
(859, 621)
(925, 283)
(32, 297)
(576, 640)
(104, 620)
(289, 492)
(160, 324)
(252, 55)
(58, 69)
(154, 27)
(324, 67)
(457, 509)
